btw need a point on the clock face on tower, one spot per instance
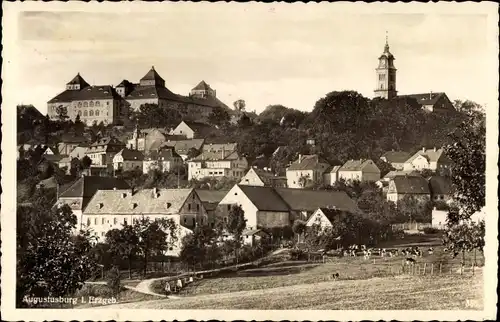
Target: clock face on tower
(383, 63)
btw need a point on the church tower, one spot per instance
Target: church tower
(386, 74)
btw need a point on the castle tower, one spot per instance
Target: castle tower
(386, 74)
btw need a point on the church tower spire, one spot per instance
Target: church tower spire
(386, 73)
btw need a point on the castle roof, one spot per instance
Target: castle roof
(78, 80)
(88, 93)
(152, 75)
(202, 86)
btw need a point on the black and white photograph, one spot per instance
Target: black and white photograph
(246, 161)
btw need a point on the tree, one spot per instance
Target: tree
(235, 225)
(152, 115)
(219, 116)
(196, 247)
(50, 260)
(62, 113)
(244, 121)
(413, 209)
(86, 162)
(155, 237)
(468, 156)
(299, 227)
(76, 167)
(305, 181)
(239, 105)
(113, 280)
(123, 244)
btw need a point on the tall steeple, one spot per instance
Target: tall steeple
(386, 73)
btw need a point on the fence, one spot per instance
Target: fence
(411, 226)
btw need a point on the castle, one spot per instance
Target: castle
(386, 86)
(110, 105)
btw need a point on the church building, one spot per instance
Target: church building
(386, 86)
(110, 104)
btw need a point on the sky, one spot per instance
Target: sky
(266, 54)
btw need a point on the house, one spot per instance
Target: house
(396, 158)
(146, 140)
(384, 182)
(164, 160)
(432, 102)
(253, 236)
(69, 142)
(440, 188)
(78, 194)
(323, 217)
(305, 170)
(217, 161)
(49, 183)
(267, 207)
(128, 160)
(110, 209)
(210, 200)
(185, 148)
(401, 186)
(331, 175)
(303, 203)
(192, 130)
(263, 177)
(102, 151)
(430, 159)
(263, 207)
(362, 170)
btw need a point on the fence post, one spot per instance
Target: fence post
(432, 269)
(440, 267)
(425, 266)
(462, 269)
(473, 267)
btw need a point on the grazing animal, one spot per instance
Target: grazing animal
(335, 276)
(365, 253)
(430, 251)
(410, 261)
(383, 252)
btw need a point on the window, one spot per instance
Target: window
(91, 104)
(88, 221)
(91, 113)
(228, 207)
(102, 221)
(97, 113)
(80, 113)
(184, 219)
(115, 221)
(197, 207)
(97, 103)
(189, 206)
(381, 77)
(125, 221)
(85, 104)
(79, 104)
(102, 233)
(85, 113)
(95, 221)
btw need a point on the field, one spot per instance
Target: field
(396, 293)
(374, 284)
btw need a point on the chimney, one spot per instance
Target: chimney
(155, 193)
(300, 158)
(423, 149)
(435, 149)
(124, 195)
(223, 152)
(430, 95)
(114, 188)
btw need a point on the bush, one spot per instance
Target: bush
(95, 290)
(297, 254)
(113, 280)
(431, 230)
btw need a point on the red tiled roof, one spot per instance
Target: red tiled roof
(411, 185)
(310, 200)
(202, 86)
(87, 93)
(440, 185)
(396, 156)
(425, 98)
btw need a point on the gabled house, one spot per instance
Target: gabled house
(307, 169)
(185, 147)
(263, 177)
(217, 161)
(441, 189)
(110, 209)
(192, 130)
(210, 200)
(262, 206)
(267, 207)
(323, 217)
(164, 160)
(396, 158)
(78, 194)
(302, 202)
(413, 186)
(432, 102)
(331, 175)
(128, 160)
(102, 151)
(431, 159)
(361, 170)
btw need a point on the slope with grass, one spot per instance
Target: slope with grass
(390, 293)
